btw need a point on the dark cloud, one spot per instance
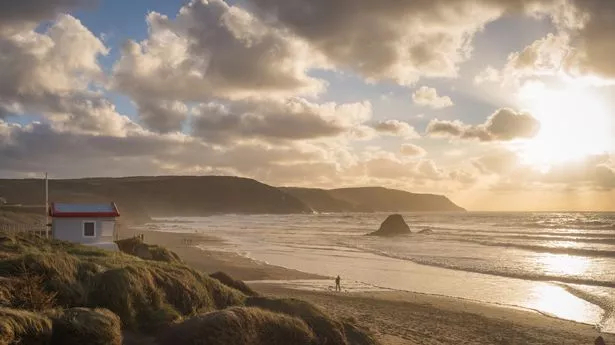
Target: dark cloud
(293, 119)
(389, 39)
(162, 116)
(503, 125)
(18, 12)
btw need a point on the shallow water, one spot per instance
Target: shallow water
(562, 264)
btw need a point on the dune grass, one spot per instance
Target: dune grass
(240, 326)
(24, 327)
(77, 326)
(233, 283)
(79, 294)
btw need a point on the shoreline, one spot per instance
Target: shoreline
(396, 307)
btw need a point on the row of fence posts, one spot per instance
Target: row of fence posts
(32, 229)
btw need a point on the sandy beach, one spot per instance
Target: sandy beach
(396, 317)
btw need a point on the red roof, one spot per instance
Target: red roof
(61, 210)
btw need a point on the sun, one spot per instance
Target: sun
(574, 124)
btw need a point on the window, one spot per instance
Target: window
(89, 229)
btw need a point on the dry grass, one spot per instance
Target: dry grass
(77, 326)
(240, 326)
(134, 246)
(327, 330)
(145, 297)
(24, 327)
(233, 283)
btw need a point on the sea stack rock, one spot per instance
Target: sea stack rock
(393, 225)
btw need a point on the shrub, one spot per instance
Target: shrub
(24, 327)
(239, 326)
(77, 326)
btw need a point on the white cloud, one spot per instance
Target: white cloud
(503, 125)
(428, 96)
(412, 150)
(213, 50)
(396, 128)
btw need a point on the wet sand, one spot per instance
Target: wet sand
(396, 317)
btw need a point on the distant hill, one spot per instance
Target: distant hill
(140, 198)
(371, 199)
(320, 200)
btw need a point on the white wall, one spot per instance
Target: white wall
(71, 229)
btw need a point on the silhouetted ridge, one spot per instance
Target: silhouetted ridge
(371, 199)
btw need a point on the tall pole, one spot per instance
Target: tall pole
(46, 207)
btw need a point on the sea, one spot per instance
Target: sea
(558, 264)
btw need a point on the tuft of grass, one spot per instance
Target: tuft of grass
(134, 246)
(240, 326)
(147, 297)
(327, 330)
(77, 326)
(24, 327)
(233, 283)
(28, 291)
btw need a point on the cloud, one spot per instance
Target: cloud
(162, 116)
(592, 25)
(428, 96)
(213, 50)
(29, 12)
(400, 41)
(412, 150)
(277, 120)
(58, 62)
(503, 125)
(396, 128)
(53, 74)
(488, 75)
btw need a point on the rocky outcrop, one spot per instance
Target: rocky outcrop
(426, 231)
(393, 225)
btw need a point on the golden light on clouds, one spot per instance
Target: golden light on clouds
(575, 124)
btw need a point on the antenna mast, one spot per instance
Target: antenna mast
(46, 207)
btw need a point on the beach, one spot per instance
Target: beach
(396, 317)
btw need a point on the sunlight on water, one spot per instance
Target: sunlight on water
(563, 264)
(557, 301)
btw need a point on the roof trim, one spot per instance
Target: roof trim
(53, 212)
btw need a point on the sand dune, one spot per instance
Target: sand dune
(397, 317)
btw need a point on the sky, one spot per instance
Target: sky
(501, 105)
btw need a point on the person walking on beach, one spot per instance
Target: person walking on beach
(338, 287)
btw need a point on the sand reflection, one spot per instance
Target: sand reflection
(562, 264)
(556, 301)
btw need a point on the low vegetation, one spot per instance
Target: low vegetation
(54, 292)
(233, 283)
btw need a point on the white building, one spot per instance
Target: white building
(90, 224)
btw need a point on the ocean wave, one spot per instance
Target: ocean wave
(525, 276)
(550, 250)
(606, 303)
(497, 233)
(568, 238)
(587, 225)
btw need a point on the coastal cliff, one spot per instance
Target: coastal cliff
(140, 198)
(372, 199)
